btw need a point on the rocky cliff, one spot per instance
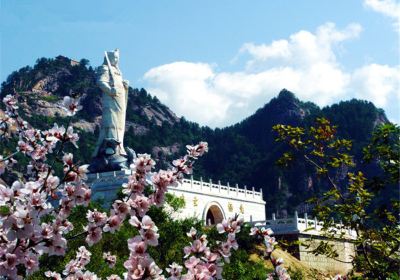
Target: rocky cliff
(243, 153)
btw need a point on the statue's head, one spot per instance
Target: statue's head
(113, 56)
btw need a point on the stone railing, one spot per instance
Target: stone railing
(102, 182)
(199, 186)
(296, 225)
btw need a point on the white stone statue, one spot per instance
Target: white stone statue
(110, 153)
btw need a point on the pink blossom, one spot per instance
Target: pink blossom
(82, 195)
(10, 101)
(143, 163)
(232, 225)
(113, 277)
(121, 208)
(57, 245)
(27, 201)
(110, 259)
(83, 255)
(6, 195)
(192, 233)
(133, 185)
(225, 250)
(3, 165)
(71, 136)
(74, 173)
(31, 263)
(24, 147)
(141, 205)
(136, 267)
(53, 275)
(97, 218)
(147, 223)
(39, 153)
(150, 236)
(68, 159)
(198, 246)
(197, 150)
(210, 256)
(32, 135)
(232, 241)
(57, 132)
(192, 262)
(10, 261)
(163, 179)
(134, 221)
(183, 165)
(52, 182)
(94, 235)
(113, 224)
(71, 105)
(158, 198)
(174, 271)
(137, 246)
(269, 243)
(45, 231)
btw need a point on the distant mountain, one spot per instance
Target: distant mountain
(244, 153)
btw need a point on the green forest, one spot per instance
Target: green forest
(244, 153)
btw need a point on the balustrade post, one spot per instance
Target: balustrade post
(253, 191)
(315, 222)
(306, 218)
(237, 190)
(210, 185)
(229, 187)
(219, 186)
(245, 190)
(201, 183)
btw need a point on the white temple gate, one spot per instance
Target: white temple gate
(205, 201)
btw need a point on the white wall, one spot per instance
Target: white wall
(199, 196)
(230, 200)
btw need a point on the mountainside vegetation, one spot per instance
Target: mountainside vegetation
(244, 153)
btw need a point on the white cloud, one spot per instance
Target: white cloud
(187, 88)
(389, 8)
(379, 83)
(305, 63)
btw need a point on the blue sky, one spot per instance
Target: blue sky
(216, 62)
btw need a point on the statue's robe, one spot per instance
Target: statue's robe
(114, 106)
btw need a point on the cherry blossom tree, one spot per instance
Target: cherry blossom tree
(269, 241)
(36, 207)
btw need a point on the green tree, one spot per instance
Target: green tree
(353, 197)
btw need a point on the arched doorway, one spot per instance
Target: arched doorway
(214, 215)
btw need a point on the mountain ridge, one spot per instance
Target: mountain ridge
(242, 153)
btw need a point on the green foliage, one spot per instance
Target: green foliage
(244, 153)
(242, 268)
(352, 198)
(385, 148)
(296, 274)
(172, 240)
(174, 201)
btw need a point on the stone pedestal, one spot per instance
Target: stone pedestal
(106, 185)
